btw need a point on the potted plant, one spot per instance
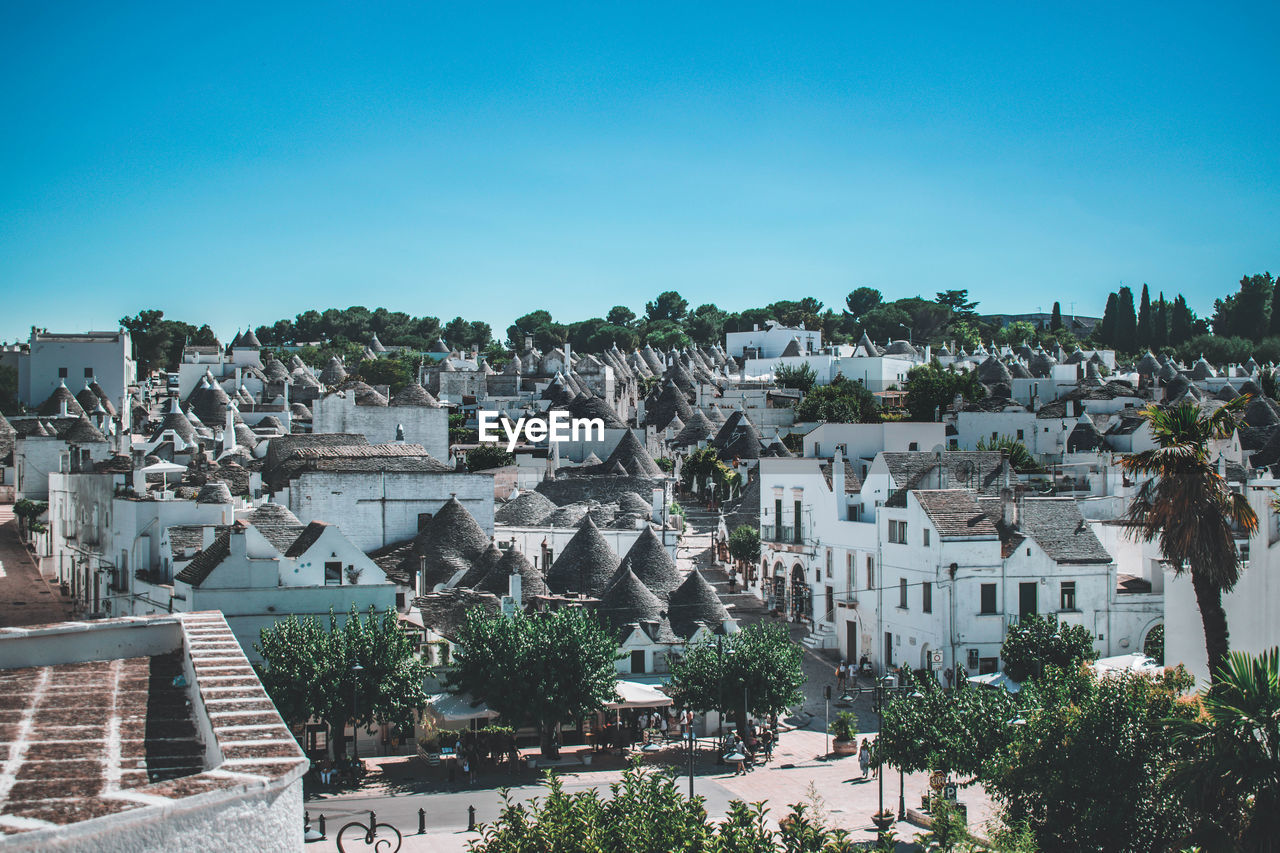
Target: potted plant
(844, 728)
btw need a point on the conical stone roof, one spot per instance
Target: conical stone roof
(451, 541)
(52, 407)
(695, 603)
(651, 563)
(526, 510)
(629, 602)
(497, 581)
(632, 456)
(585, 565)
(414, 394)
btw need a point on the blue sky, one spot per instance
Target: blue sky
(238, 163)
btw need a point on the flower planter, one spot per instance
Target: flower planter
(883, 820)
(844, 747)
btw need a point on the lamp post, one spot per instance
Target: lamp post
(902, 785)
(882, 685)
(908, 328)
(355, 705)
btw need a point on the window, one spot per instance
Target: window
(637, 662)
(871, 573)
(953, 444)
(915, 445)
(828, 562)
(973, 658)
(88, 373)
(333, 574)
(1027, 599)
(1068, 595)
(898, 532)
(902, 593)
(62, 373)
(831, 602)
(799, 513)
(1019, 435)
(926, 597)
(995, 436)
(988, 598)
(926, 537)
(777, 519)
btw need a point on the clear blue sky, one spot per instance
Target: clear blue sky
(238, 163)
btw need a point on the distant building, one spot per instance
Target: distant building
(74, 359)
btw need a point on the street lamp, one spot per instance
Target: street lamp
(908, 328)
(881, 688)
(355, 706)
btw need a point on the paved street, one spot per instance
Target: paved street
(796, 774)
(26, 598)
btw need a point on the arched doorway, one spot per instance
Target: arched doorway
(1153, 642)
(801, 600)
(777, 593)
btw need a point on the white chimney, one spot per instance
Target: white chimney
(229, 431)
(515, 588)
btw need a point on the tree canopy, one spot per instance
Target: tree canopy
(158, 343)
(565, 660)
(840, 401)
(755, 670)
(307, 670)
(1037, 643)
(931, 389)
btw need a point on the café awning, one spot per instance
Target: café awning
(455, 709)
(633, 694)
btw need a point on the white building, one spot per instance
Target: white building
(267, 566)
(772, 341)
(412, 416)
(55, 358)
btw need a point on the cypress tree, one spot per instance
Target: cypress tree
(1107, 332)
(1055, 319)
(1274, 328)
(1160, 323)
(1180, 320)
(1126, 321)
(1144, 319)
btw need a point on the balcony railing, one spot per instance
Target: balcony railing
(775, 533)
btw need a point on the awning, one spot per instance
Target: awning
(637, 695)
(996, 679)
(164, 468)
(1126, 663)
(451, 708)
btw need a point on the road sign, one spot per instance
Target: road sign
(935, 659)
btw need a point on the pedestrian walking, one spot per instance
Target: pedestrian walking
(864, 757)
(842, 674)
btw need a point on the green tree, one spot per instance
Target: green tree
(158, 343)
(1036, 643)
(1016, 333)
(862, 300)
(706, 325)
(565, 660)
(959, 303)
(800, 377)
(932, 388)
(1182, 321)
(1231, 765)
(842, 401)
(668, 306)
(1126, 321)
(755, 670)
(1055, 318)
(665, 334)
(1019, 457)
(9, 404)
(796, 312)
(395, 371)
(621, 315)
(1191, 509)
(744, 543)
(1107, 327)
(488, 456)
(28, 513)
(309, 673)
(1145, 320)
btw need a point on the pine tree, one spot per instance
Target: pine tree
(1055, 319)
(1107, 332)
(1126, 321)
(1144, 320)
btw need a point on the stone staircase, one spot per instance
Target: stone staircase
(821, 637)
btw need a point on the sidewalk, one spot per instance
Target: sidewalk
(26, 598)
(834, 789)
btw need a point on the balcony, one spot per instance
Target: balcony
(775, 533)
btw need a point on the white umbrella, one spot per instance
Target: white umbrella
(996, 679)
(637, 695)
(451, 708)
(1126, 663)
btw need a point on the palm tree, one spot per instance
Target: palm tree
(1190, 508)
(1232, 768)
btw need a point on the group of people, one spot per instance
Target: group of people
(335, 772)
(759, 740)
(847, 674)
